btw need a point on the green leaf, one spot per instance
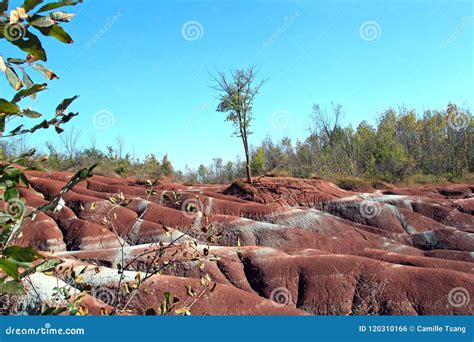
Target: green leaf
(16, 130)
(81, 175)
(22, 254)
(32, 114)
(23, 178)
(64, 104)
(28, 82)
(29, 91)
(54, 311)
(65, 118)
(7, 107)
(27, 79)
(58, 4)
(43, 125)
(57, 32)
(2, 124)
(16, 60)
(30, 4)
(48, 74)
(12, 288)
(48, 265)
(62, 16)
(44, 266)
(42, 22)
(13, 78)
(12, 173)
(9, 267)
(21, 159)
(21, 263)
(3, 6)
(32, 45)
(48, 311)
(10, 193)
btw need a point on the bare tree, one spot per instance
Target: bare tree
(15, 147)
(325, 124)
(120, 141)
(70, 143)
(54, 156)
(93, 141)
(236, 97)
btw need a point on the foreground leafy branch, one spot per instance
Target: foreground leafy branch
(15, 257)
(17, 263)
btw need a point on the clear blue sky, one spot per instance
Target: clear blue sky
(156, 85)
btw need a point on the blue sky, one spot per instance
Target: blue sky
(153, 80)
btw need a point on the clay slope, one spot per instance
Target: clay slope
(280, 247)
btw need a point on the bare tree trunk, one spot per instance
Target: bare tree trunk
(247, 159)
(247, 168)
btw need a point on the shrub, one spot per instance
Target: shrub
(354, 184)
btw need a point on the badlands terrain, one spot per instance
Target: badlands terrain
(282, 246)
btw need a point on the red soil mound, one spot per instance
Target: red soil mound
(286, 191)
(279, 246)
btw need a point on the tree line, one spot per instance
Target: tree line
(401, 146)
(70, 155)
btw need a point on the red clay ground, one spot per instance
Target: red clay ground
(280, 247)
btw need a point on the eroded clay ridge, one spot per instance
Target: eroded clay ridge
(282, 246)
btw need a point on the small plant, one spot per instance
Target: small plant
(72, 300)
(159, 257)
(19, 262)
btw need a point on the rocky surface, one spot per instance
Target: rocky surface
(282, 246)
